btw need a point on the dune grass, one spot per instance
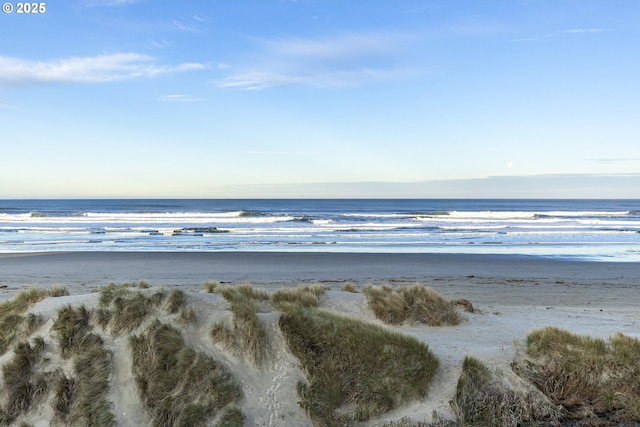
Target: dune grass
(19, 303)
(24, 384)
(303, 296)
(13, 325)
(355, 370)
(349, 287)
(418, 303)
(485, 398)
(247, 337)
(82, 399)
(588, 376)
(177, 385)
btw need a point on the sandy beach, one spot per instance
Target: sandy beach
(511, 294)
(484, 279)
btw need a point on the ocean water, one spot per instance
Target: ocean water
(607, 230)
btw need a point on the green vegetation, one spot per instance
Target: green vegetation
(19, 303)
(82, 400)
(247, 338)
(303, 296)
(23, 384)
(483, 397)
(586, 375)
(349, 287)
(417, 303)
(177, 385)
(355, 370)
(14, 327)
(232, 417)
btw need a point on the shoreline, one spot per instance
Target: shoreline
(481, 278)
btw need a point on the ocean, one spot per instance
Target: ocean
(605, 230)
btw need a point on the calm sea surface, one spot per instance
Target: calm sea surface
(607, 230)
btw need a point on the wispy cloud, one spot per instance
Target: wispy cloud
(342, 60)
(88, 69)
(554, 35)
(181, 98)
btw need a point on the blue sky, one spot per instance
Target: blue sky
(276, 98)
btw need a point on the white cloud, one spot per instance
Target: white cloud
(88, 69)
(340, 61)
(181, 98)
(550, 36)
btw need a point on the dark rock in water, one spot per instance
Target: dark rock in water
(198, 231)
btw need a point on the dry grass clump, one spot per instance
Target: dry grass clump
(231, 417)
(416, 303)
(14, 327)
(82, 400)
(177, 385)
(247, 337)
(19, 303)
(24, 384)
(122, 310)
(485, 398)
(589, 377)
(303, 296)
(211, 287)
(349, 287)
(176, 301)
(355, 370)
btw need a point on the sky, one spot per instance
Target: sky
(310, 98)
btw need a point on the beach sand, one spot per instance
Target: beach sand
(512, 295)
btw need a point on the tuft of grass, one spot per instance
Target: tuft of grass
(122, 310)
(587, 375)
(82, 400)
(418, 303)
(245, 291)
(211, 287)
(14, 327)
(482, 398)
(349, 287)
(355, 370)
(248, 337)
(22, 386)
(21, 302)
(71, 328)
(177, 385)
(303, 296)
(176, 301)
(231, 417)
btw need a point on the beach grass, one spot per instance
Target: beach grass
(21, 302)
(247, 337)
(303, 296)
(23, 384)
(588, 376)
(355, 370)
(82, 399)
(485, 398)
(417, 303)
(177, 385)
